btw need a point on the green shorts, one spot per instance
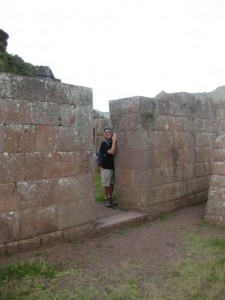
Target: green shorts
(107, 177)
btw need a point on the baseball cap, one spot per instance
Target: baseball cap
(107, 128)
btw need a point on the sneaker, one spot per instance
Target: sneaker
(107, 202)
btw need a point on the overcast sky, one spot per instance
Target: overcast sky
(121, 48)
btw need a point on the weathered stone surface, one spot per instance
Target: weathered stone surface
(29, 244)
(166, 150)
(11, 167)
(45, 161)
(68, 94)
(15, 112)
(30, 89)
(43, 71)
(46, 113)
(8, 197)
(46, 138)
(215, 209)
(9, 226)
(51, 238)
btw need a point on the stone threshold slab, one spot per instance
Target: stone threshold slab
(120, 221)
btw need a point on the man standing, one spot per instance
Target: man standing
(108, 150)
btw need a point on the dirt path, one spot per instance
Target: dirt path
(153, 243)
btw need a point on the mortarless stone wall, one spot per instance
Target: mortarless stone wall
(46, 170)
(164, 149)
(215, 208)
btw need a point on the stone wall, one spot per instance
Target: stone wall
(164, 149)
(46, 170)
(215, 208)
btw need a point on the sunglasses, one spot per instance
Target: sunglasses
(109, 131)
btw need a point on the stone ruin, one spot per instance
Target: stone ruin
(46, 166)
(165, 148)
(170, 154)
(215, 208)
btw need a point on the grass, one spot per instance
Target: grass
(20, 270)
(200, 276)
(21, 280)
(167, 217)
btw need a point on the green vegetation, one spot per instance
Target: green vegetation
(15, 65)
(20, 270)
(167, 217)
(200, 276)
(98, 188)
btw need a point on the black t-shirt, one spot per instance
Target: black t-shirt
(108, 159)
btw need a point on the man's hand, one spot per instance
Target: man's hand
(114, 137)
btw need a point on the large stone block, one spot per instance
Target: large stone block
(46, 138)
(180, 123)
(127, 105)
(84, 117)
(73, 214)
(179, 139)
(132, 198)
(147, 105)
(79, 232)
(218, 168)
(217, 181)
(27, 223)
(14, 136)
(178, 104)
(197, 185)
(51, 238)
(68, 115)
(11, 167)
(33, 194)
(163, 106)
(178, 173)
(15, 112)
(8, 197)
(34, 166)
(176, 190)
(29, 138)
(219, 142)
(120, 123)
(74, 189)
(149, 120)
(45, 113)
(157, 210)
(68, 94)
(31, 89)
(8, 85)
(9, 226)
(218, 155)
(2, 138)
(73, 139)
(131, 122)
(46, 219)
(216, 194)
(64, 164)
(29, 244)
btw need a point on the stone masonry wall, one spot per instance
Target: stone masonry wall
(46, 171)
(164, 150)
(215, 208)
